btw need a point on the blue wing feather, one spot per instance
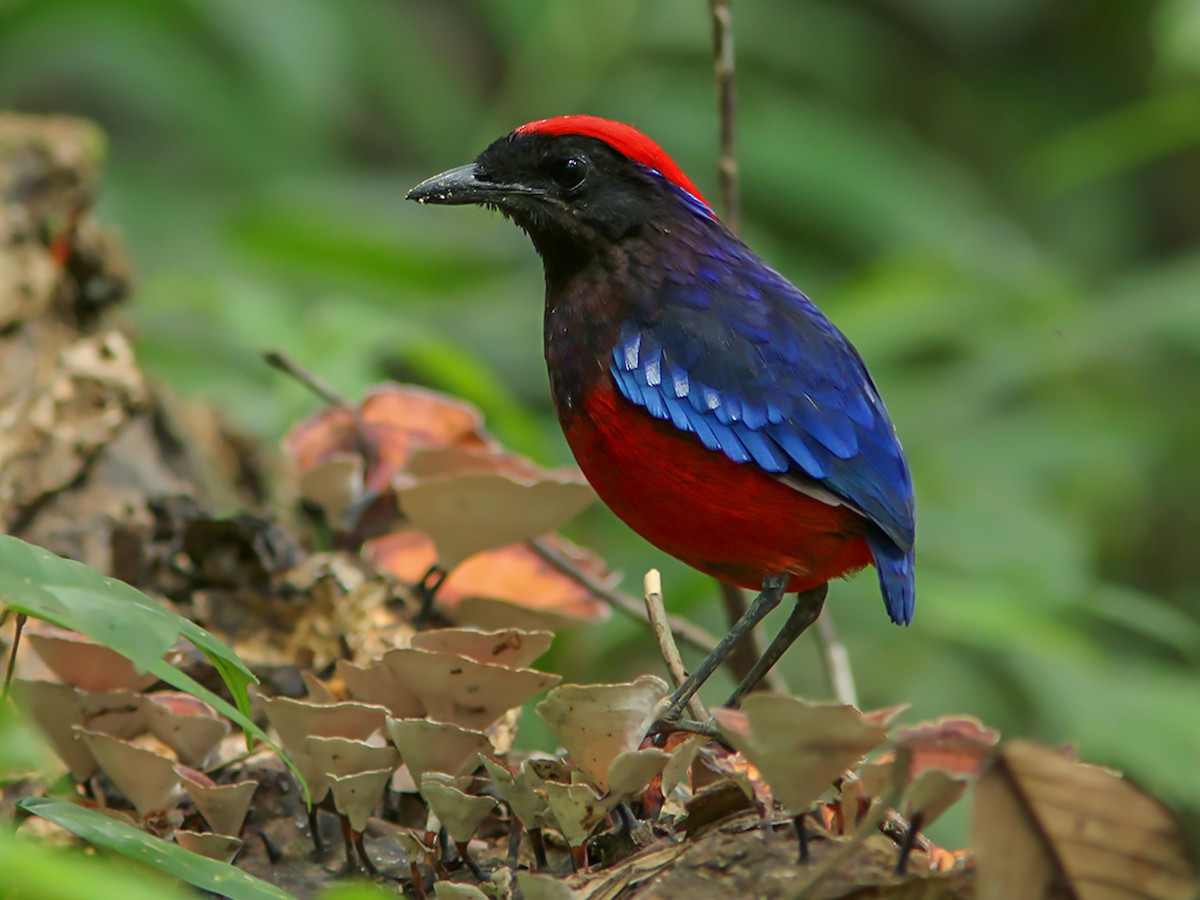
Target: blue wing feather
(729, 350)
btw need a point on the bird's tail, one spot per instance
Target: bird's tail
(895, 567)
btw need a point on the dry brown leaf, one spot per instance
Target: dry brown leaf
(598, 722)
(58, 711)
(222, 847)
(356, 796)
(1047, 826)
(188, 726)
(577, 808)
(223, 806)
(458, 811)
(955, 744)
(497, 500)
(343, 756)
(456, 689)
(429, 746)
(297, 720)
(82, 662)
(376, 684)
(392, 421)
(801, 747)
(504, 587)
(147, 780)
(522, 790)
(512, 647)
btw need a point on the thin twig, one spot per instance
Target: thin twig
(657, 614)
(836, 661)
(683, 629)
(323, 389)
(727, 168)
(11, 668)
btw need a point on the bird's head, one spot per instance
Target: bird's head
(572, 183)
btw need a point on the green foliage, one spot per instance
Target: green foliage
(36, 871)
(996, 201)
(69, 594)
(120, 837)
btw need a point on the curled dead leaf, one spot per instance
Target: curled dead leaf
(510, 586)
(188, 726)
(1043, 823)
(392, 421)
(802, 747)
(598, 722)
(356, 796)
(223, 806)
(513, 647)
(471, 502)
(523, 791)
(147, 780)
(82, 662)
(456, 689)
(220, 847)
(459, 812)
(426, 745)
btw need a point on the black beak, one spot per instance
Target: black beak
(464, 185)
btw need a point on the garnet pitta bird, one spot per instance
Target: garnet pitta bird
(712, 406)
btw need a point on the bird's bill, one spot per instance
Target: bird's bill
(464, 185)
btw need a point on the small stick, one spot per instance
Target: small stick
(330, 395)
(579, 858)
(836, 661)
(11, 668)
(538, 842)
(464, 853)
(682, 628)
(277, 359)
(657, 614)
(362, 852)
(802, 836)
(417, 881)
(723, 71)
(314, 827)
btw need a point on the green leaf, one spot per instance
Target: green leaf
(71, 595)
(33, 869)
(120, 837)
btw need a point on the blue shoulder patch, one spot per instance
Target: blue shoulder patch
(729, 350)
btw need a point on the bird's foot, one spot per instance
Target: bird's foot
(668, 724)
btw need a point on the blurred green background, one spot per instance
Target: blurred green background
(998, 201)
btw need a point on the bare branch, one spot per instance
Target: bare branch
(685, 630)
(727, 168)
(657, 614)
(836, 661)
(277, 359)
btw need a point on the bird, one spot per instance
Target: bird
(709, 402)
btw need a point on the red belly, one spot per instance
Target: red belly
(729, 520)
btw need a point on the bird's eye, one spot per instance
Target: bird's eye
(569, 173)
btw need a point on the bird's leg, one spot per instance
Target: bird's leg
(804, 613)
(767, 600)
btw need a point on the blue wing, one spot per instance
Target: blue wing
(732, 352)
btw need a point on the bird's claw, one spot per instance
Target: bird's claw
(668, 724)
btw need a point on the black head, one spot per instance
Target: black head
(573, 184)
